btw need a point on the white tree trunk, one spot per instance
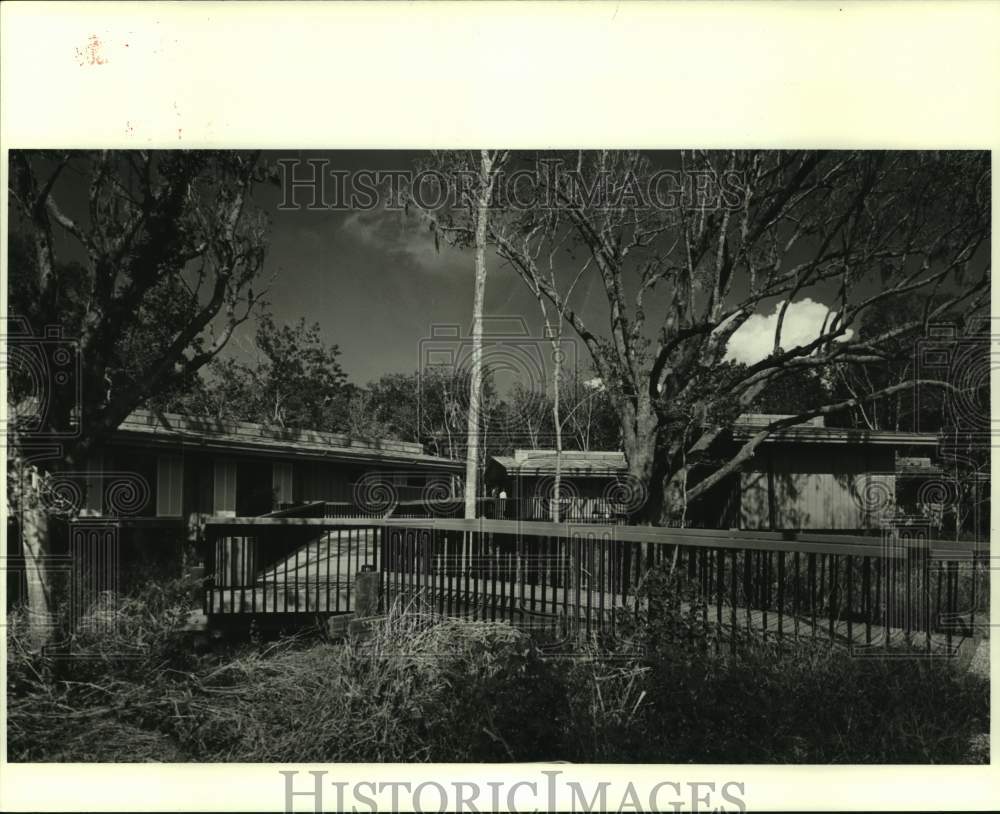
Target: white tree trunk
(557, 421)
(476, 372)
(35, 541)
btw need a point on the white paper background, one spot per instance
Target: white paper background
(754, 74)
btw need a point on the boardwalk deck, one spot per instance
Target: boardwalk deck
(550, 608)
(834, 588)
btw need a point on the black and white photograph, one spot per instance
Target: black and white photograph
(498, 455)
(509, 456)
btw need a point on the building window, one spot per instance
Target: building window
(224, 494)
(254, 488)
(169, 486)
(139, 476)
(281, 480)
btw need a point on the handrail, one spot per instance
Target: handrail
(299, 510)
(894, 546)
(777, 583)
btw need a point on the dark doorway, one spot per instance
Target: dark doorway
(254, 490)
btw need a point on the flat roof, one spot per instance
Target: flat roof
(542, 462)
(163, 429)
(814, 430)
(838, 435)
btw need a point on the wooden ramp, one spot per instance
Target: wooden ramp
(554, 608)
(845, 590)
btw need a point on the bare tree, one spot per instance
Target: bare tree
(469, 179)
(543, 272)
(744, 231)
(485, 192)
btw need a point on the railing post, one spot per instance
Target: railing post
(209, 538)
(366, 592)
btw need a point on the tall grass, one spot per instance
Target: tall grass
(420, 689)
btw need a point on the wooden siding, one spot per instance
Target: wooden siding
(282, 481)
(224, 493)
(169, 486)
(94, 486)
(795, 488)
(572, 487)
(316, 480)
(199, 483)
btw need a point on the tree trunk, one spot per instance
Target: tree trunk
(673, 510)
(658, 480)
(476, 373)
(557, 484)
(645, 467)
(36, 542)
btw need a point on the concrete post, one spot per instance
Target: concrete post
(366, 586)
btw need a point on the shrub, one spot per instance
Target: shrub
(105, 676)
(420, 689)
(382, 698)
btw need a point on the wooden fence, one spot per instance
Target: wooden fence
(849, 589)
(568, 510)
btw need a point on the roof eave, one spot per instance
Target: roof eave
(278, 450)
(826, 435)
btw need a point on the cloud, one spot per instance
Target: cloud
(404, 236)
(754, 339)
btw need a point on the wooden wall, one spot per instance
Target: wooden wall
(814, 487)
(318, 480)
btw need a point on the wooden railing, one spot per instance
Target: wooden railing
(850, 589)
(572, 510)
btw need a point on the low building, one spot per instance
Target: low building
(167, 466)
(816, 477)
(160, 474)
(805, 477)
(591, 484)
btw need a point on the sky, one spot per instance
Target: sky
(378, 285)
(380, 288)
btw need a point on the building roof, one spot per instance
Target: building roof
(815, 431)
(172, 429)
(908, 465)
(542, 462)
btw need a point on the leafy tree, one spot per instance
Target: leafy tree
(531, 418)
(587, 416)
(294, 380)
(793, 394)
(431, 408)
(892, 362)
(590, 415)
(394, 398)
(147, 261)
(364, 420)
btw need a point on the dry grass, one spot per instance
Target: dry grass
(419, 689)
